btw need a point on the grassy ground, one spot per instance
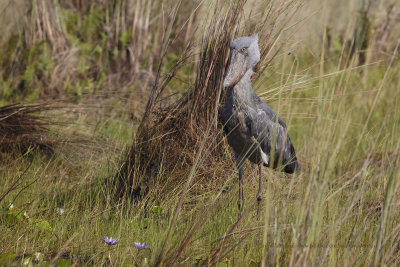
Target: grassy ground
(340, 208)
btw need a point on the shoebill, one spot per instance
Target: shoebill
(249, 124)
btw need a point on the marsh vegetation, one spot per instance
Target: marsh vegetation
(109, 129)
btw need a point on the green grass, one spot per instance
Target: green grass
(340, 208)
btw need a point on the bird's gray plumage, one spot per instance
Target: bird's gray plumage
(248, 122)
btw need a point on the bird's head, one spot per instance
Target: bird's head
(244, 55)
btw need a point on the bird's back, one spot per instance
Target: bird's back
(245, 120)
(265, 127)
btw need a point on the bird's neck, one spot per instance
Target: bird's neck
(243, 91)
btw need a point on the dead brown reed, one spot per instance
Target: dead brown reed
(42, 23)
(23, 126)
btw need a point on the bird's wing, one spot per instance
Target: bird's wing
(271, 114)
(262, 125)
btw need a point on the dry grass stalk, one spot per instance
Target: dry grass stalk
(23, 126)
(182, 125)
(42, 23)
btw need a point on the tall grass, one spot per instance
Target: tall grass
(340, 208)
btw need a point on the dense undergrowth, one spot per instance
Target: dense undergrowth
(334, 80)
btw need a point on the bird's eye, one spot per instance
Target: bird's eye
(243, 50)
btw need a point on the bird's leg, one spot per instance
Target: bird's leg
(239, 164)
(259, 193)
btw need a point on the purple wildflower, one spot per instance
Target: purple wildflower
(60, 211)
(139, 245)
(110, 241)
